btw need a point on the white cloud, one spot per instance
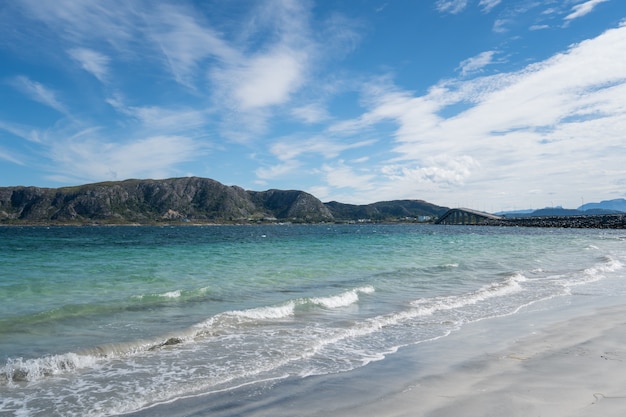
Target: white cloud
(440, 169)
(451, 6)
(23, 132)
(268, 79)
(186, 43)
(548, 120)
(163, 120)
(8, 156)
(81, 22)
(500, 25)
(582, 9)
(92, 62)
(477, 62)
(311, 113)
(269, 76)
(488, 5)
(278, 170)
(243, 71)
(38, 92)
(88, 158)
(289, 150)
(343, 176)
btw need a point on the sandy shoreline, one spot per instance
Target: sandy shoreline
(563, 360)
(576, 367)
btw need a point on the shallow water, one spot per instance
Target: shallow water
(105, 320)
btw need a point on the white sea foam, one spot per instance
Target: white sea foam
(344, 299)
(598, 271)
(171, 294)
(429, 306)
(168, 294)
(265, 313)
(28, 370)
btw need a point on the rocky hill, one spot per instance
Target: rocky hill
(386, 210)
(189, 199)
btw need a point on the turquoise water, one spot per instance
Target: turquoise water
(99, 321)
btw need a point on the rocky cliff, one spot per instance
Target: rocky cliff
(184, 199)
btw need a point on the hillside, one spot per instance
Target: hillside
(189, 199)
(386, 210)
(618, 204)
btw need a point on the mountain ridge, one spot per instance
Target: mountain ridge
(188, 199)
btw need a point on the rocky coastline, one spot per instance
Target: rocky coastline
(605, 221)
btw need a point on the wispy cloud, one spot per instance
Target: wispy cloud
(340, 175)
(19, 131)
(38, 92)
(451, 6)
(82, 22)
(311, 113)
(277, 171)
(244, 71)
(88, 158)
(91, 61)
(289, 150)
(488, 5)
(10, 157)
(476, 63)
(582, 9)
(186, 43)
(160, 119)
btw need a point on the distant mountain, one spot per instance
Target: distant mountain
(618, 204)
(557, 212)
(386, 210)
(190, 199)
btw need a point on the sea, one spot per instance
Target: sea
(114, 320)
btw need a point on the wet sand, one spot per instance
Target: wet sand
(576, 367)
(564, 358)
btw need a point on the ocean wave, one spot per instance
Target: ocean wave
(85, 310)
(419, 310)
(598, 271)
(28, 370)
(16, 370)
(173, 294)
(342, 300)
(429, 306)
(264, 313)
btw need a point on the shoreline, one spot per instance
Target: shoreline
(573, 367)
(595, 221)
(560, 358)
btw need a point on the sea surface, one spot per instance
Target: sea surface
(100, 321)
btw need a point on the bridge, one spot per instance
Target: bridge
(466, 216)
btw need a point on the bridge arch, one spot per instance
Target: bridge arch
(466, 216)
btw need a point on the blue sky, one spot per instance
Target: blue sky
(488, 104)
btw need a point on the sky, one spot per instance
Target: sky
(487, 104)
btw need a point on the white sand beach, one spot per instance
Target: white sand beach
(576, 367)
